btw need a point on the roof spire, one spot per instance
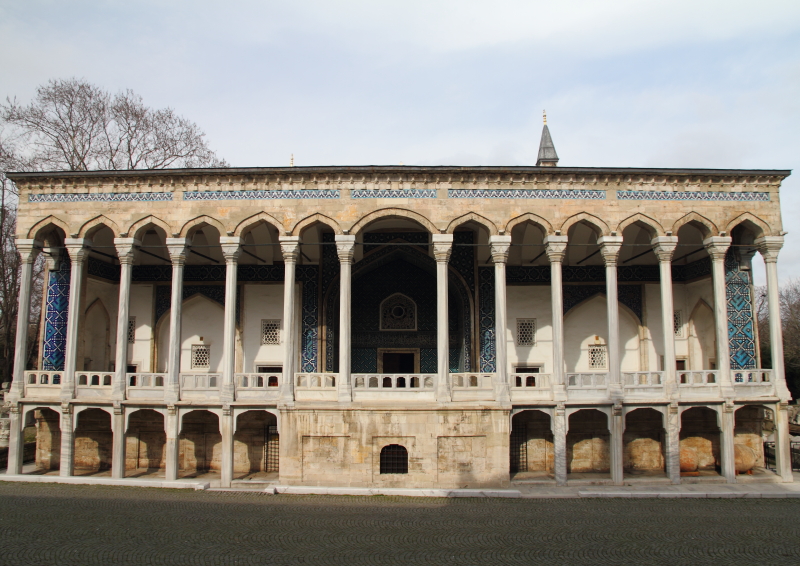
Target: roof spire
(547, 151)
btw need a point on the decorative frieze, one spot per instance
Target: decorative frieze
(263, 195)
(99, 197)
(692, 195)
(527, 194)
(393, 193)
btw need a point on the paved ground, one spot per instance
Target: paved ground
(64, 524)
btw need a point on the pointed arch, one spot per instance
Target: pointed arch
(540, 222)
(90, 227)
(142, 223)
(707, 227)
(204, 219)
(653, 226)
(758, 226)
(314, 218)
(386, 213)
(598, 225)
(252, 221)
(41, 228)
(490, 226)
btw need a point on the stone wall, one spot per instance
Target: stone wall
(145, 440)
(588, 438)
(93, 440)
(644, 441)
(748, 430)
(701, 434)
(48, 439)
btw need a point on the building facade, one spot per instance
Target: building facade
(400, 326)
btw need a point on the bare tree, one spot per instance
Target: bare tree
(77, 126)
(790, 321)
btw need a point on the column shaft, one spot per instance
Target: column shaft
(442, 248)
(118, 442)
(672, 422)
(345, 248)
(125, 251)
(556, 250)
(717, 247)
(726, 456)
(67, 465)
(231, 250)
(664, 247)
(610, 246)
(617, 445)
(177, 253)
(290, 247)
(172, 448)
(77, 248)
(560, 445)
(226, 431)
(16, 442)
(499, 248)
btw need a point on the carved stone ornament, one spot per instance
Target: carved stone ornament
(398, 312)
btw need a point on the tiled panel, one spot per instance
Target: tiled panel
(57, 311)
(262, 195)
(692, 195)
(527, 194)
(99, 197)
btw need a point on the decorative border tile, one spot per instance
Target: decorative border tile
(98, 197)
(527, 193)
(263, 195)
(691, 195)
(389, 193)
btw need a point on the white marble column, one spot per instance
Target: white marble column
(226, 432)
(118, 441)
(78, 250)
(717, 247)
(125, 253)
(499, 247)
(672, 424)
(769, 246)
(67, 464)
(726, 450)
(664, 248)
(560, 444)
(556, 250)
(177, 248)
(345, 247)
(290, 247)
(231, 249)
(442, 248)
(172, 423)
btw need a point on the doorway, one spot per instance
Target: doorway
(398, 361)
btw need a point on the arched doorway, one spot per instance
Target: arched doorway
(644, 443)
(588, 437)
(200, 443)
(699, 442)
(531, 446)
(93, 441)
(256, 446)
(145, 442)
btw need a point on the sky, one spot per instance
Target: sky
(711, 84)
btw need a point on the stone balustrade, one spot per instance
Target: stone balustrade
(200, 386)
(145, 385)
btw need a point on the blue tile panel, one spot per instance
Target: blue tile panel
(103, 269)
(57, 311)
(527, 193)
(99, 197)
(263, 195)
(389, 193)
(741, 320)
(486, 328)
(692, 195)
(309, 342)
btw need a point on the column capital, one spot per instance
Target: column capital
(769, 246)
(442, 246)
(28, 249)
(77, 248)
(177, 248)
(717, 247)
(231, 248)
(126, 248)
(556, 248)
(609, 248)
(290, 248)
(345, 247)
(499, 247)
(664, 247)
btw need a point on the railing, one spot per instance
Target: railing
(315, 380)
(752, 377)
(43, 383)
(587, 380)
(145, 385)
(200, 385)
(94, 378)
(253, 381)
(529, 380)
(698, 378)
(393, 381)
(471, 380)
(770, 459)
(642, 378)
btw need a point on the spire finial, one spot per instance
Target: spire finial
(291, 161)
(544, 116)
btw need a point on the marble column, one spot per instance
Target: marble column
(345, 248)
(560, 444)
(610, 247)
(499, 248)
(231, 249)
(28, 250)
(664, 248)
(78, 249)
(125, 253)
(769, 246)
(717, 247)
(442, 248)
(118, 441)
(172, 423)
(672, 424)
(177, 248)
(67, 464)
(290, 248)
(226, 432)
(726, 450)
(556, 251)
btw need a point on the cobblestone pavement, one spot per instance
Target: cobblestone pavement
(64, 524)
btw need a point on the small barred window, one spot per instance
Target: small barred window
(201, 356)
(270, 331)
(131, 330)
(526, 332)
(598, 357)
(677, 321)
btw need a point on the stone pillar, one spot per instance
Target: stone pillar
(118, 442)
(28, 250)
(16, 441)
(290, 247)
(67, 465)
(617, 444)
(717, 247)
(664, 247)
(609, 247)
(442, 248)
(560, 444)
(125, 252)
(345, 247)
(78, 250)
(672, 424)
(226, 431)
(172, 448)
(726, 454)
(231, 248)
(177, 252)
(499, 248)
(769, 246)
(556, 250)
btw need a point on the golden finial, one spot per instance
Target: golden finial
(291, 161)
(544, 116)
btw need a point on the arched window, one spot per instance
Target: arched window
(394, 459)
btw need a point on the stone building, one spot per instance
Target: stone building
(401, 326)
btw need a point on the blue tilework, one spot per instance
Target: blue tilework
(388, 193)
(488, 350)
(692, 195)
(527, 194)
(57, 311)
(100, 268)
(99, 197)
(741, 322)
(263, 195)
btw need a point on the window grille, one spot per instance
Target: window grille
(131, 329)
(677, 321)
(598, 357)
(526, 332)
(201, 356)
(272, 449)
(394, 459)
(519, 449)
(270, 331)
